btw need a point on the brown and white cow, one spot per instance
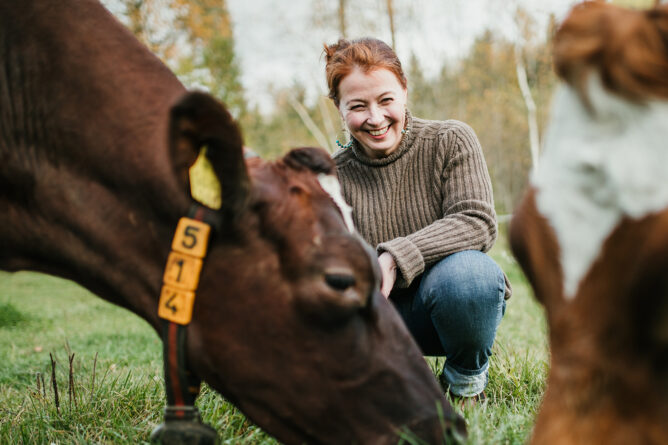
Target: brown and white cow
(96, 138)
(592, 232)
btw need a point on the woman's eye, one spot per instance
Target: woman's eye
(386, 100)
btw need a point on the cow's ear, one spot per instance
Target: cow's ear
(199, 120)
(315, 159)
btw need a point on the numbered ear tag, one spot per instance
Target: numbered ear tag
(176, 305)
(182, 271)
(191, 237)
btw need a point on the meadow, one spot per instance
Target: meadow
(107, 367)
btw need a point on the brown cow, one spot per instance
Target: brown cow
(592, 233)
(288, 322)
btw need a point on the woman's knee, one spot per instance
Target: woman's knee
(464, 294)
(468, 277)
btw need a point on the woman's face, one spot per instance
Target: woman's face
(373, 106)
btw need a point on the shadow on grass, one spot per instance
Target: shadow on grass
(11, 317)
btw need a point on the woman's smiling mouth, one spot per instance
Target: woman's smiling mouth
(379, 132)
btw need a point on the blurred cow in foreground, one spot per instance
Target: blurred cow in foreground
(96, 140)
(592, 232)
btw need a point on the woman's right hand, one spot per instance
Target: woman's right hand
(388, 271)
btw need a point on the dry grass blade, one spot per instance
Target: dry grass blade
(54, 384)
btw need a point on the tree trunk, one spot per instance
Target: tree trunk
(342, 18)
(534, 140)
(390, 15)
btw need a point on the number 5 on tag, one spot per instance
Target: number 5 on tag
(191, 237)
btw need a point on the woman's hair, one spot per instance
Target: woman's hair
(628, 48)
(367, 53)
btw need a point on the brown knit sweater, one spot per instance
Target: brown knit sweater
(429, 198)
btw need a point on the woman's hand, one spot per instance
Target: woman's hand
(388, 271)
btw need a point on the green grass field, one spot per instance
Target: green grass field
(113, 391)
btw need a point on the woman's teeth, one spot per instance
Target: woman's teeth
(380, 132)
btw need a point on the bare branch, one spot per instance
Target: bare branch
(312, 127)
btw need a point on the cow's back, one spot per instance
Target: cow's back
(83, 141)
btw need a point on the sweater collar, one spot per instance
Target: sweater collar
(404, 146)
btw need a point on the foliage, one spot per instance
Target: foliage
(193, 37)
(274, 134)
(207, 27)
(481, 88)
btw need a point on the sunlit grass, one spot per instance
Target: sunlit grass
(117, 370)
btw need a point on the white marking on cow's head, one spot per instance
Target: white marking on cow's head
(331, 185)
(597, 167)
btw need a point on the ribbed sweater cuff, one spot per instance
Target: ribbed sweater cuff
(408, 258)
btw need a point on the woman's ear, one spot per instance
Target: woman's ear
(199, 120)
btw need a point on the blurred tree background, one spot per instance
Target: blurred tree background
(501, 88)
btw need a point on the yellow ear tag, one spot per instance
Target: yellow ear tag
(204, 185)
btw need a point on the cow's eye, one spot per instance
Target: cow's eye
(339, 281)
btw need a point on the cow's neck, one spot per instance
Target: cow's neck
(601, 387)
(88, 191)
(584, 404)
(600, 164)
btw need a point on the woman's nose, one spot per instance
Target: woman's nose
(375, 116)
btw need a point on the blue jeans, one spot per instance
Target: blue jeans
(453, 310)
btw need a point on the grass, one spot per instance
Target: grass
(113, 391)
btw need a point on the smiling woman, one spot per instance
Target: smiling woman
(374, 110)
(421, 194)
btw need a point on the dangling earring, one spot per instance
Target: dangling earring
(348, 145)
(350, 141)
(405, 130)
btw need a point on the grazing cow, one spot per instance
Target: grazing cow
(96, 139)
(592, 232)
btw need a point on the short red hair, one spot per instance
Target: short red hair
(367, 53)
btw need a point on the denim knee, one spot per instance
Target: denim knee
(464, 293)
(469, 277)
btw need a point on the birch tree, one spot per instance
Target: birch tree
(522, 23)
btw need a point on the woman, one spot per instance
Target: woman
(421, 194)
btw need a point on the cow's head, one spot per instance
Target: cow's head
(288, 322)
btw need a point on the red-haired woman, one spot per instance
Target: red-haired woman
(421, 194)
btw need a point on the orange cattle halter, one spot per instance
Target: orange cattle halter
(175, 308)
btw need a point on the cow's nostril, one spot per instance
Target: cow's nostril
(339, 281)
